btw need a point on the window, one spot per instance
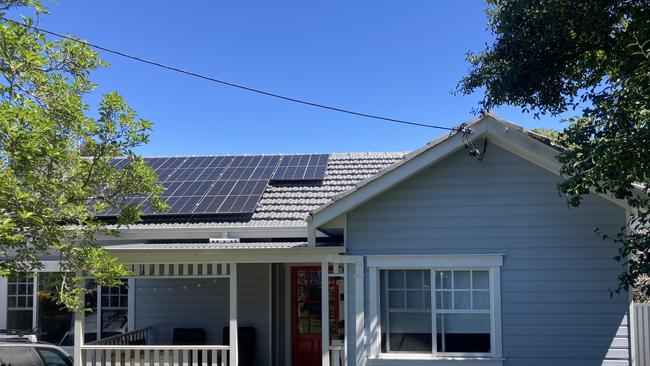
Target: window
(54, 323)
(463, 311)
(115, 308)
(19, 356)
(20, 302)
(433, 307)
(406, 310)
(53, 358)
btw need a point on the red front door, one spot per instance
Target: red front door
(306, 314)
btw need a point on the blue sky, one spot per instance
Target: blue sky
(400, 59)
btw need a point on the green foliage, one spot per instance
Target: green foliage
(55, 159)
(551, 56)
(549, 133)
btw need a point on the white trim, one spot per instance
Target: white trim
(491, 262)
(375, 325)
(288, 333)
(360, 326)
(295, 255)
(136, 232)
(35, 301)
(3, 302)
(271, 352)
(98, 310)
(346, 322)
(325, 313)
(79, 333)
(427, 360)
(131, 300)
(434, 260)
(233, 328)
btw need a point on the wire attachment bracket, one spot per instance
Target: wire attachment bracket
(465, 132)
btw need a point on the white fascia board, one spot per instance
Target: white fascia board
(532, 150)
(435, 260)
(171, 233)
(293, 255)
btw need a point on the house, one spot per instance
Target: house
(431, 258)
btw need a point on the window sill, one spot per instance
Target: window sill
(416, 359)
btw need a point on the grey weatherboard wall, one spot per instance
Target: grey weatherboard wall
(555, 281)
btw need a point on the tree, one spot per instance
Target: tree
(552, 56)
(547, 132)
(56, 167)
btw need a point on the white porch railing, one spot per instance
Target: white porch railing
(124, 355)
(140, 335)
(337, 353)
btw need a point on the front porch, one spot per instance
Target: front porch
(202, 313)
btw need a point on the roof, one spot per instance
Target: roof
(287, 204)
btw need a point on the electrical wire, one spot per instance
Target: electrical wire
(231, 84)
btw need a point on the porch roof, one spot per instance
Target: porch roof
(208, 246)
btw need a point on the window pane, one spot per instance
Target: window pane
(443, 279)
(53, 321)
(461, 279)
(463, 332)
(114, 322)
(462, 300)
(443, 299)
(395, 279)
(19, 356)
(409, 332)
(481, 280)
(414, 279)
(414, 299)
(481, 299)
(53, 358)
(19, 320)
(396, 299)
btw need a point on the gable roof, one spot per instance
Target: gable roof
(506, 134)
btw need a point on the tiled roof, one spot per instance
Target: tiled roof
(288, 204)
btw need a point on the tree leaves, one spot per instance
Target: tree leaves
(56, 159)
(552, 56)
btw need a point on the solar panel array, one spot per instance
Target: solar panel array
(228, 185)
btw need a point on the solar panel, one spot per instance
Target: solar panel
(301, 167)
(223, 184)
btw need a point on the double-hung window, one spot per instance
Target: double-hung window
(430, 307)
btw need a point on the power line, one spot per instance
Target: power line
(234, 85)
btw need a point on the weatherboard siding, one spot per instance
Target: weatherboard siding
(206, 306)
(556, 276)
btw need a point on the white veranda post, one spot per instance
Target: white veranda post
(325, 313)
(78, 333)
(233, 316)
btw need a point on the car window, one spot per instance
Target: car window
(19, 356)
(53, 358)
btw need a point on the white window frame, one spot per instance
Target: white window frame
(490, 262)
